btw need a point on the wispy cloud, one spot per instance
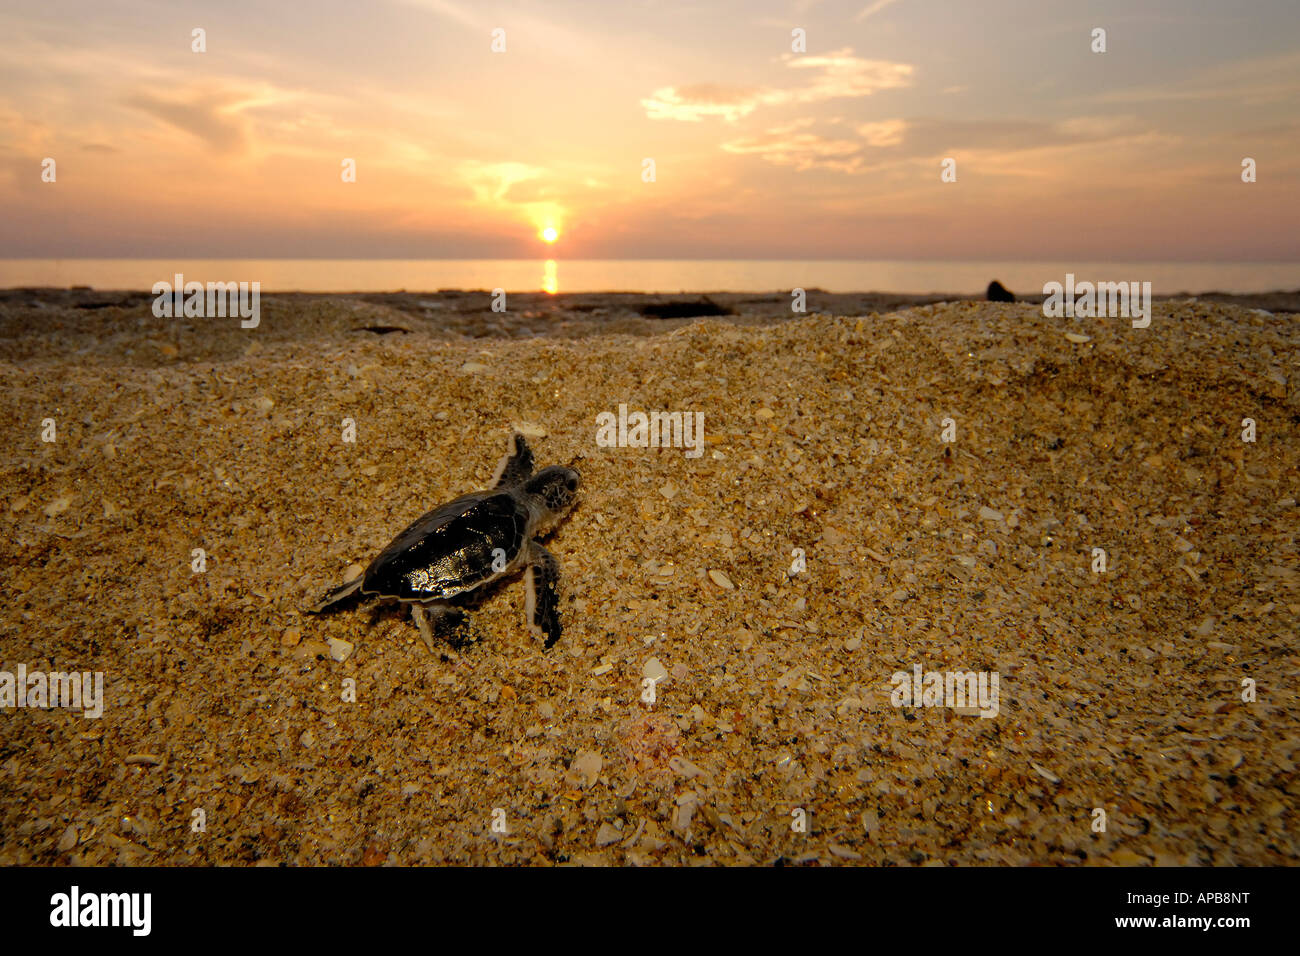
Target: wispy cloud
(893, 141)
(871, 9)
(841, 74)
(1262, 80)
(883, 132)
(696, 101)
(800, 150)
(835, 75)
(214, 116)
(445, 8)
(491, 182)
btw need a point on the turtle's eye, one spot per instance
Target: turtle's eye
(572, 484)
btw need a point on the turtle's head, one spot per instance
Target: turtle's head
(555, 488)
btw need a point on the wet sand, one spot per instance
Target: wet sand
(1120, 690)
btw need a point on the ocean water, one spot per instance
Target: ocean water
(643, 275)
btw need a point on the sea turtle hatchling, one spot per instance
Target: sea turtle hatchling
(474, 540)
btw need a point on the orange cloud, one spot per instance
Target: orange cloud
(835, 75)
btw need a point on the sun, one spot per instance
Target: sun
(550, 234)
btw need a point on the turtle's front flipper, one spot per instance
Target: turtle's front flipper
(338, 594)
(516, 466)
(440, 620)
(543, 578)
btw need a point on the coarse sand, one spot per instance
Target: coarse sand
(1147, 711)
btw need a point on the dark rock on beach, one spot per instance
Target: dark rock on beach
(999, 293)
(685, 310)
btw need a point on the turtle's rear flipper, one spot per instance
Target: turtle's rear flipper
(516, 466)
(336, 596)
(543, 609)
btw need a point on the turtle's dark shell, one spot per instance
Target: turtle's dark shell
(450, 550)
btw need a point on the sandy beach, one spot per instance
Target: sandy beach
(1157, 697)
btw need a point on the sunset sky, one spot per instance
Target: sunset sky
(760, 152)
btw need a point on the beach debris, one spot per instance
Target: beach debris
(474, 367)
(340, 649)
(473, 540)
(721, 580)
(608, 834)
(685, 309)
(1077, 338)
(997, 292)
(143, 760)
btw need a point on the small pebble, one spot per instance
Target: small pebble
(684, 768)
(585, 769)
(58, 506)
(68, 840)
(1045, 773)
(721, 580)
(654, 670)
